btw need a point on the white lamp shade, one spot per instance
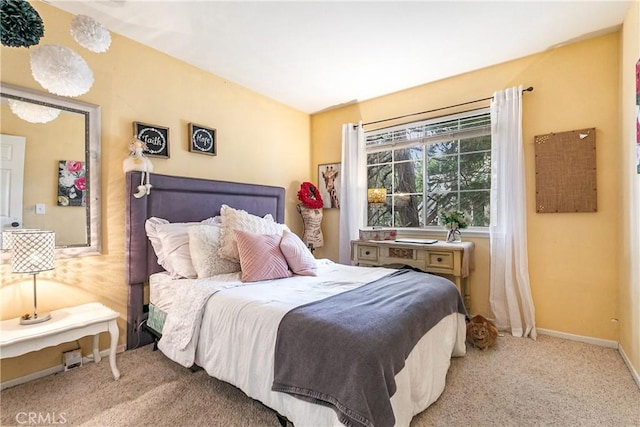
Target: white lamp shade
(7, 237)
(32, 251)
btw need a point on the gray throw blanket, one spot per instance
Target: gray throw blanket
(344, 351)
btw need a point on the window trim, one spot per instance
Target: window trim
(472, 132)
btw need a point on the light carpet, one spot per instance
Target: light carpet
(518, 382)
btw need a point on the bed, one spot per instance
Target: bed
(238, 329)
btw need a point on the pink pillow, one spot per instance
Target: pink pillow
(298, 256)
(260, 257)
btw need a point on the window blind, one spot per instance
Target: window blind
(460, 126)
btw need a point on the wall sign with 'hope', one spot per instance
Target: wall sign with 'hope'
(202, 139)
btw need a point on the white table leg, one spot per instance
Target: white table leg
(96, 350)
(114, 333)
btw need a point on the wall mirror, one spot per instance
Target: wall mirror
(60, 190)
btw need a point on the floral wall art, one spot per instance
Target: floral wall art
(72, 183)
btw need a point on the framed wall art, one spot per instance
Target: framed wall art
(329, 184)
(566, 171)
(156, 139)
(202, 139)
(72, 183)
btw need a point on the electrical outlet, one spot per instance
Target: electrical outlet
(72, 359)
(40, 209)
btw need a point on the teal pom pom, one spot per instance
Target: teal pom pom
(20, 24)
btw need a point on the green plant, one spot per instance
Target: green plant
(454, 217)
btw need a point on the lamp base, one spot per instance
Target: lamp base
(30, 319)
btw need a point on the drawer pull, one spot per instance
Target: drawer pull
(439, 259)
(367, 252)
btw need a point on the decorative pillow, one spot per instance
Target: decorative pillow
(170, 242)
(236, 219)
(261, 257)
(298, 256)
(204, 243)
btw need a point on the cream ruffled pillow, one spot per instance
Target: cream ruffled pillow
(204, 244)
(237, 219)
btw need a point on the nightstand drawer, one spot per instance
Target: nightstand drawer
(368, 253)
(440, 259)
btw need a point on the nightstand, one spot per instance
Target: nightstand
(66, 324)
(453, 259)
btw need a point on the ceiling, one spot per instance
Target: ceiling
(316, 55)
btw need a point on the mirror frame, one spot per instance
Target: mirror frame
(91, 113)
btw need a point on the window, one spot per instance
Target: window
(430, 167)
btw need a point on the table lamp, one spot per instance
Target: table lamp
(33, 252)
(7, 239)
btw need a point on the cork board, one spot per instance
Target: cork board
(566, 171)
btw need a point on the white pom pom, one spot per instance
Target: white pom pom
(61, 71)
(33, 113)
(90, 34)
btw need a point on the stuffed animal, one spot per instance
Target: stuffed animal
(137, 161)
(481, 332)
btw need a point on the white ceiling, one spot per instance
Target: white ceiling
(316, 55)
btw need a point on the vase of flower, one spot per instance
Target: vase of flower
(453, 222)
(453, 234)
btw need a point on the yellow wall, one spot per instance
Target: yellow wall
(259, 141)
(629, 215)
(573, 263)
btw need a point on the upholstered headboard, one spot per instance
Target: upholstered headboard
(179, 199)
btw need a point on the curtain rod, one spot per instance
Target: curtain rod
(529, 89)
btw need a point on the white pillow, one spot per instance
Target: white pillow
(237, 219)
(204, 243)
(170, 242)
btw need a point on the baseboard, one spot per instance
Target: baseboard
(53, 370)
(589, 340)
(634, 373)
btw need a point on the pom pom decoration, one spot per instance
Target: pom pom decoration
(310, 196)
(61, 71)
(20, 24)
(33, 113)
(90, 34)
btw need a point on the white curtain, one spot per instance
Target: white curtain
(509, 290)
(353, 188)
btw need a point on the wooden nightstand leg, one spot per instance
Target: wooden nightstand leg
(114, 333)
(96, 350)
(466, 295)
(458, 282)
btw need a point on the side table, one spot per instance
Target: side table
(66, 324)
(455, 259)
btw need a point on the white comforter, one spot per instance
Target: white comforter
(235, 340)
